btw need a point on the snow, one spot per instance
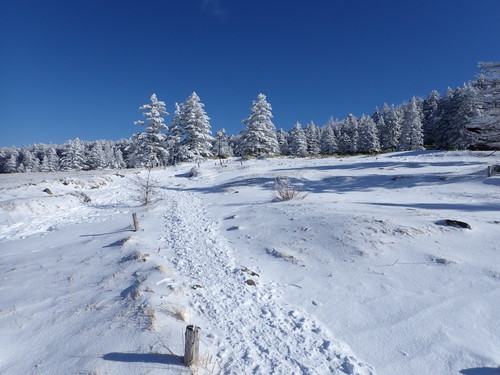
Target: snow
(358, 277)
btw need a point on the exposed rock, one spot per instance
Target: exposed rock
(454, 223)
(250, 272)
(443, 261)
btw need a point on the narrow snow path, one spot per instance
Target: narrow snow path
(255, 334)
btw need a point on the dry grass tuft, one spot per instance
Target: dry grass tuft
(178, 312)
(161, 268)
(150, 313)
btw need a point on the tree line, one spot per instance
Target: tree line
(467, 117)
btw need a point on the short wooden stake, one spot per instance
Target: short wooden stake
(192, 345)
(136, 222)
(489, 171)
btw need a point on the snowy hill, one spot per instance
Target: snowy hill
(360, 276)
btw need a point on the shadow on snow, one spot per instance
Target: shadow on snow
(442, 206)
(383, 165)
(481, 371)
(346, 183)
(167, 359)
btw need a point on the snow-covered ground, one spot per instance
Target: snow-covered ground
(360, 276)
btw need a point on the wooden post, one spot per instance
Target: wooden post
(136, 222)
(489, 170)
(192, 345)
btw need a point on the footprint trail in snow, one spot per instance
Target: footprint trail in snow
(254, 333)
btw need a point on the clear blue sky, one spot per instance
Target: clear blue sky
(81, 68)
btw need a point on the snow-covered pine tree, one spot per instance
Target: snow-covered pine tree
(38, 151)
(149, 148)
(27, 161)
(430, 117)
(457, 109)
(73, 156)
(50, 160)
(259, 137)
(444, 119)
(108, 149)
(9, 162)
(313, 138)
(412, 137)
(348, 134)
(377, 116)
(328, 140)
(197, 137)
(123, 147)
(390, 128)
(118, 161)
(233, 141)
(297, 141)
(485, 129)
(282, 137)
(98, 159)
(221, 147)
(342, 137)
(368, 142)
(468, 111)
(176, 134)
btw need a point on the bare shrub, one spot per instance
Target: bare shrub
(150, 315)
(82, 196)
(194, 172)
(285, 190)
(282, 255)
(146, 189)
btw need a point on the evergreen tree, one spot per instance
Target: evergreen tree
(430, 117)
(412, 137)
(27, 162)
(118, 159)
(457, 109)
(390, 133)
(468, 111)
(259, 137)
(73, 156)
(368, 138)
(149, 147)
(97, 156)
(50, 160)
(348, 135)
(124, 146)
(444, 119)
(221, 147)
(485, 127)
(108, 149)
(282, 138)
(377, 116)
(10, 161)
(297, 141)
(197, 133)
(38, 152)
(313, 138)
(328, 140)
(176, 134)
